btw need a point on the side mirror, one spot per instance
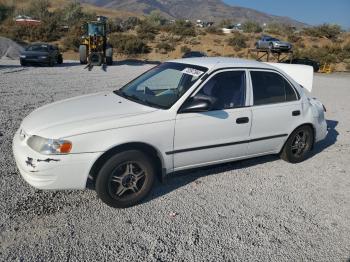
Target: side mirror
(196, 106)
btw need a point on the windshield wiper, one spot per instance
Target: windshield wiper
(136, 99)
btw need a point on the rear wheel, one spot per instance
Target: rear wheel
(298, 145)
(83, 54)
(23, 63)
(125, 179)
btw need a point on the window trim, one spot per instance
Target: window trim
(207, 76)
(276, 72)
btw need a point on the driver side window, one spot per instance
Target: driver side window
(227, 90)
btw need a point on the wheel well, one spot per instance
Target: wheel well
(305, 124)
(143, 147)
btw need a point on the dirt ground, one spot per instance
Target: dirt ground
(261, 209)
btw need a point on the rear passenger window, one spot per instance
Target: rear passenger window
(271, 88)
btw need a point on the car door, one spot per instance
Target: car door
(276, 111)
(220, 134)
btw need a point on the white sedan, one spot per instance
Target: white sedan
(179, 115)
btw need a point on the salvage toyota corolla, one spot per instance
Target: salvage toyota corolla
(179, 115)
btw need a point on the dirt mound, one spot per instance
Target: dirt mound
(9, 49)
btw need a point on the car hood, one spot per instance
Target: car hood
(282, 43)
(34, 53)
(84, 114)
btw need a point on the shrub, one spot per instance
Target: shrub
(38, 9)
(165, 47)
(325, 30)
(5, 11)
(72, 39)
(182, 28)
(293, 38)
(238, 41)
(214, 30)
(225, 23)
(129, 44)
(185, 49)
(281, 29)
(156, 19)
(146, 30)
(251, 27)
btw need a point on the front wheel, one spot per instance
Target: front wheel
(125, 179)
(60, 59)
(298, 145)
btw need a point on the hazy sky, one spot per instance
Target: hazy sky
(308, 11)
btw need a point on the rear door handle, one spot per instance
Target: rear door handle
(242, 120)
(296, 113)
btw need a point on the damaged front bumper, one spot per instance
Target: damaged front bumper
(52, 172)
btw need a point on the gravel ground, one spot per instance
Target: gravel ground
(261, 209)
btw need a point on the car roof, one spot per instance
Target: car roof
(222, 62)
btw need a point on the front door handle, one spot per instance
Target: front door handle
(242, 120)
(296, 113)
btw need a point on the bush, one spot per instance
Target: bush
(238, 41)
(38, 9)
(182, 28)
(146, 30)
(325, 30)
(251, 27)
(165, 47)
(214, 30)
(129, 44)
(5, 11)
(280, 29)
(72, 40)
(185, 49)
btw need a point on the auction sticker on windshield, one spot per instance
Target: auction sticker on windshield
(192, 71)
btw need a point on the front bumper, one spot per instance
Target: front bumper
(52, 171)
(35, 60)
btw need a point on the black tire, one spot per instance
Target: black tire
(51, 63)
(115, 186)
(60, 59)
(294, 151)
(23, 63)
(83, 54)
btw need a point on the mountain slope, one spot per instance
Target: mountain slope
(209, 10)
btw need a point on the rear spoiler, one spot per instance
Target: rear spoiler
(302, 74)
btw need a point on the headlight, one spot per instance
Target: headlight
(42, 57)
(22, 56)
(48, 146)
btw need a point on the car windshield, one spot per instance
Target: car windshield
(163, 85)
(39, 48)
(272, 39)
(95, 29)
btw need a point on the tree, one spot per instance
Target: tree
(251, 27)
(39, 9)
(325, 30)
(5, 11)
(156, 18)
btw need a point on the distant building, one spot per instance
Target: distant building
(202, 24)
(230, 29)
(26, 20)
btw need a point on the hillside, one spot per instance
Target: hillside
(210, 10)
